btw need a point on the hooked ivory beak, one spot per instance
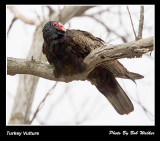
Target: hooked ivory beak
(63, 29)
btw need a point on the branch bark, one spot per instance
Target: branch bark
(125, 50)
(95, 58)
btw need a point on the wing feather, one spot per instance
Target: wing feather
(84, 41)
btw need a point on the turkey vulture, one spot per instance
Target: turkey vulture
(66, 50)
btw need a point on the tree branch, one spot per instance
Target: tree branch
(42, 102)
(18, 15)
(131, 22)
(141, 21)
(11, 24)
(95, 58)
(69, 12)
(108, 29)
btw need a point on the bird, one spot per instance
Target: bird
(66, 50)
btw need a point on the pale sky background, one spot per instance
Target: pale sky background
(79, 102)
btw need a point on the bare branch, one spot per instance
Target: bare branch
(51, 10)
(141, 21)
(95, 58)
(42, 102)
(10, 26)
(25, 66)
(132, 23)
(109, 30)
(69, 12)
(108, 9)
(146, 111)
(23, 18)
(112, 52)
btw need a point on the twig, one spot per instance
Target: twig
(13, 20)
(55, 103)
(90, 112)
(42, 102)
(108, 9)
(141, 21)
(132, 23)
(146, 111)
(109, 30)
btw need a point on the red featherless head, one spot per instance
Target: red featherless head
(58, 26)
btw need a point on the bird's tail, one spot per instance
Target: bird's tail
(107, 84)
(136, 75)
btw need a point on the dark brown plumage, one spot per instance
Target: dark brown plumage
(66, 49)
